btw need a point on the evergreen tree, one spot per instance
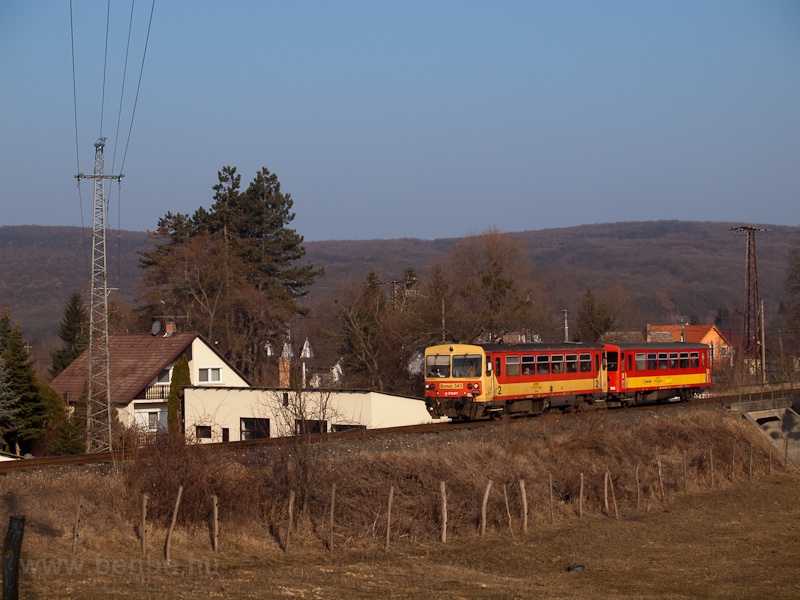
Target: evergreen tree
(7, 403)
(31, 413)
(73, 332)
(180, 379)
(232, 269)
(5, 326)
(594, 319)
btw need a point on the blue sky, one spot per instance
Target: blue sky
(424, 119)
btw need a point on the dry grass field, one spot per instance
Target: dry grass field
(736, 539)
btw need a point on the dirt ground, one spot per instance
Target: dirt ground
(740, 541)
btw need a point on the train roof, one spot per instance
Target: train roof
(675, 346)
(541, 347)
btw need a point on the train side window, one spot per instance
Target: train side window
(684, 360)
(586, 363)
(652, 361)
(673, 360)
(543, 364)
(641, 361)
(557, 363)
(528, 365)
(497, 369)
(662, 361)
(630, 362)
(572, 363)
(694, 360)
(612, 360)
(512, 365)
(596, 362)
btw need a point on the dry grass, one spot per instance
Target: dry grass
(725, 541)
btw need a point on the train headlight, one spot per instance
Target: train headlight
(469, 386)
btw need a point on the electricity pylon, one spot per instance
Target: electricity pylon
(98, 400)
(752, 333)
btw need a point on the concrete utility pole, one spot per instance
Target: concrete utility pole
(98, 401)
(752, 335)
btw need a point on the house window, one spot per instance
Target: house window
(724, 350)
(203, 432)
(346, 427)
(152, 420)
(253, 429)
(308, 426)
(210, 375)
(226, 434)
(164, 376)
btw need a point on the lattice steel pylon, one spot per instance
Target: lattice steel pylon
(98, 401)
(751, 328)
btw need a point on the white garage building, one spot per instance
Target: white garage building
(214, 414)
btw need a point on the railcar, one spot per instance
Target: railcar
(648, 372)
(473, 381)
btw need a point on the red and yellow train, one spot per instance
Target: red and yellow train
(472, 381)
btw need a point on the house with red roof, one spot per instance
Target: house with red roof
(140, 367)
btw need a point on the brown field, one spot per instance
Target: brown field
(737, 539)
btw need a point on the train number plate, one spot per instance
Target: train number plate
(451, 386)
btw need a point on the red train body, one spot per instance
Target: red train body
(470, 381)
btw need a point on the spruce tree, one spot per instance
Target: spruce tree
(7, 403)
(31, 410)
(180, 379)
(73, 332)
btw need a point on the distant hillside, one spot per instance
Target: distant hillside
(697, 267)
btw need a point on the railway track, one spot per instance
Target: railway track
(144, 452)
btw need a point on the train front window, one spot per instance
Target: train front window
(437, 365)
(612, 360)
(467, 365)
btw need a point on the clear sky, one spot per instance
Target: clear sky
(432, 118)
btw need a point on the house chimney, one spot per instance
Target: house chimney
(170, 327)
(285, 367)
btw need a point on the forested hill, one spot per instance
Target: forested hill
(666, 267)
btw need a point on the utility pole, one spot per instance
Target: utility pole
(752, 335)
(98, 401)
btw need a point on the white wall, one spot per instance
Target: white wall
(224, 408)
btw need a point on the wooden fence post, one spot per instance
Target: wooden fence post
(660, 480)
(389, 518)
(168, 543)
(711, 463)
(143, 531)
(605, 490)
(733, 461)
(638, 488)
(685, 488)
(12, 545)
(613, 494)
(483, 506)
(443, 490)
(750, 469)
(508, 510)
(77, 523)
(524, 497)
(550, 481)
(785, 452)
(330, 521)
(580, 499)
(289, 523)
(215, 523)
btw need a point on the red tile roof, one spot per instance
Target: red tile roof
(134, 361)
(692, 333)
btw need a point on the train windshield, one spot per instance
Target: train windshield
(467, 365)
(437, 365)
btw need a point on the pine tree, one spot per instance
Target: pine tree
(180, 379)
(7, 403)
(73, 332)
(5, 326)
(31, 410)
